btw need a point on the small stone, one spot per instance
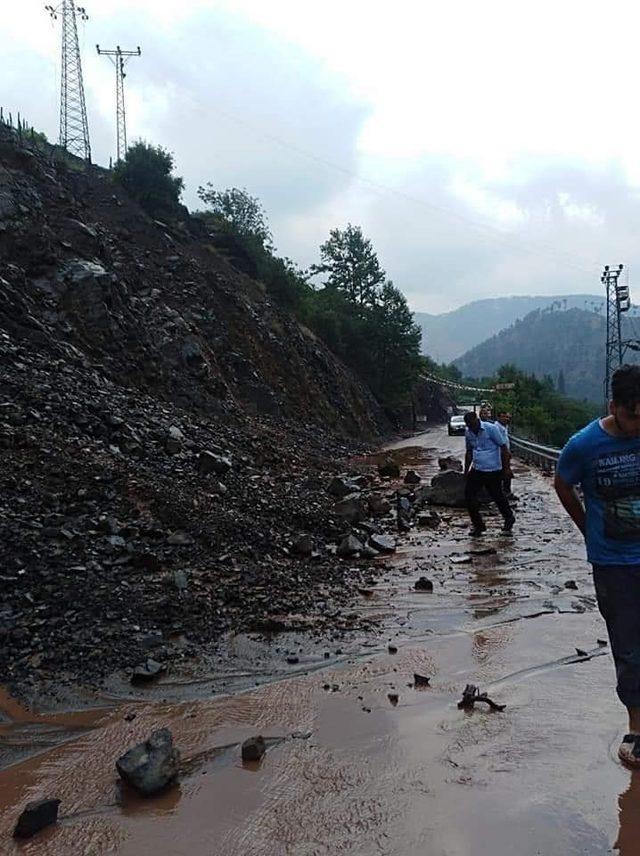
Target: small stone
(179, 539)
(342, 487)
(36, 816)
(149, 670)
(571, 584)
(253, 749)
(208, 462)
(412, 477)
(150, 766)
(420, 680)
(602, 642)
(423, 584)
(393, 698)
(378, 505)
(392, 649)
(292, 659)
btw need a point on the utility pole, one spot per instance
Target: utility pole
(74, 129)
(119, 58)
(617, 303)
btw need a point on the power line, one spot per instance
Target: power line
(74, 128)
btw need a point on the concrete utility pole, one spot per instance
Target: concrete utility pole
(74, 129)
(119, 58)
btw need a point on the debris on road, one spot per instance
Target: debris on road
(36, 816)
(472, 694)
(150, 766)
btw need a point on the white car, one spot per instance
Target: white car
(456, 426)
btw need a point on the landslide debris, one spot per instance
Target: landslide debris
(167, 436)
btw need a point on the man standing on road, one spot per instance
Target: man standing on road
(604, 459)
(502, 424)
(486, 464)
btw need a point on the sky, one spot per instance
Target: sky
(486, 149)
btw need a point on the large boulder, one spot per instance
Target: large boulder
(351, 508)
(389, 469)
(378, 505)
(447, 488)
(341, 487)
(150, 766)
(349, 546)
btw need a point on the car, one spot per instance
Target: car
(456, 426)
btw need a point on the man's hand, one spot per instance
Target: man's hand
(569, 499)
(507, 473)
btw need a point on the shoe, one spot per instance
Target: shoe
(629, 751)
(508, 524)
(477, 531)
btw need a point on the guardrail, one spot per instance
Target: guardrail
(534, 453)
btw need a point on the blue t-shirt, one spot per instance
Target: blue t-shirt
(485, 446)
(608, 470)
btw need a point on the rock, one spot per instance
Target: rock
(293, 659)
(431, 520)
(450, 463)
(147, 671)
(342, 487)
(350, 508)
(602, 642)
(180, 580)
(393, 698)
(150, 766)
(420, 680)
(383, 543)
(447, 488)
(378, 505)
(392, 649)
(571, 584)
(179, 539)
(412, 477)
(253, 749)
(36, 816)
(349, 546)
(303, 545)
(463, 559)
(209, 462)
(423, 584)
(389, 470)
(368, 552)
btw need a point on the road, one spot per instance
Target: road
(350, 770)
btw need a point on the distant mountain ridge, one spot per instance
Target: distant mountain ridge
(449, 335)
(549, 342)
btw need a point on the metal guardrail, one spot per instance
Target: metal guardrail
(534, 453)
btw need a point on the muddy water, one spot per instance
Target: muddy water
(350, 770)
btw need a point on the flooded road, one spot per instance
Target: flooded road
(351, 768)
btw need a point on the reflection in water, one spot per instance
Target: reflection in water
(628, 843)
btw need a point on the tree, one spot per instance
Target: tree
(395, 346)
(562, 386)
(240, 212)
(146, 174)
(352, 265)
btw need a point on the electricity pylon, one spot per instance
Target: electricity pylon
(74, 128)
(119, 58)
(618, 302)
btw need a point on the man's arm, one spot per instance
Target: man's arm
(468, 460)
(569, 499)
(505, 455)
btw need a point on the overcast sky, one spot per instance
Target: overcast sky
(487, 148)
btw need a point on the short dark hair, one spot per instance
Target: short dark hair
(469, 417)
(625, 386)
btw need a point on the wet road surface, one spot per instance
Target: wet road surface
(350, 769)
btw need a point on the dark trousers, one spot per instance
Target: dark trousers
(506, 485)
(618, 594)
(492, 483)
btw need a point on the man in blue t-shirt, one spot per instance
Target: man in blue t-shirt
(486, 465)
(604, 459)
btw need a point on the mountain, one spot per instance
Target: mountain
(447, 336)
(547, 342)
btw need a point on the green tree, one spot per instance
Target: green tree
(146, 174)
(240, 212)
(562, 384)
(352, 266)
(395, 346)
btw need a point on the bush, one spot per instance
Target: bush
(146, 175)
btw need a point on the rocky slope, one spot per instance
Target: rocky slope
(167, 435)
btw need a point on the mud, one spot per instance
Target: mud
(348, 769)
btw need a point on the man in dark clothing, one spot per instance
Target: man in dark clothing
(604, 459)
(486, 465)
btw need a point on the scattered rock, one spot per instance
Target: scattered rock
(423, 584)
(293, 659)
(392, 649)
(147, 671)
(150, 766)
(571, 584)
(208, 462)
(393, 698)
(351, 508)
(430, 520)
(342, 487)
(602, 642)
(303, 545)
(450, 463)
(447, 488)
(412, 477)
(389, 470)
(36, 816)
(349, 546)
(378, 505)
(460, 560)
(420, 680)
(383, 543)
(253, 749)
